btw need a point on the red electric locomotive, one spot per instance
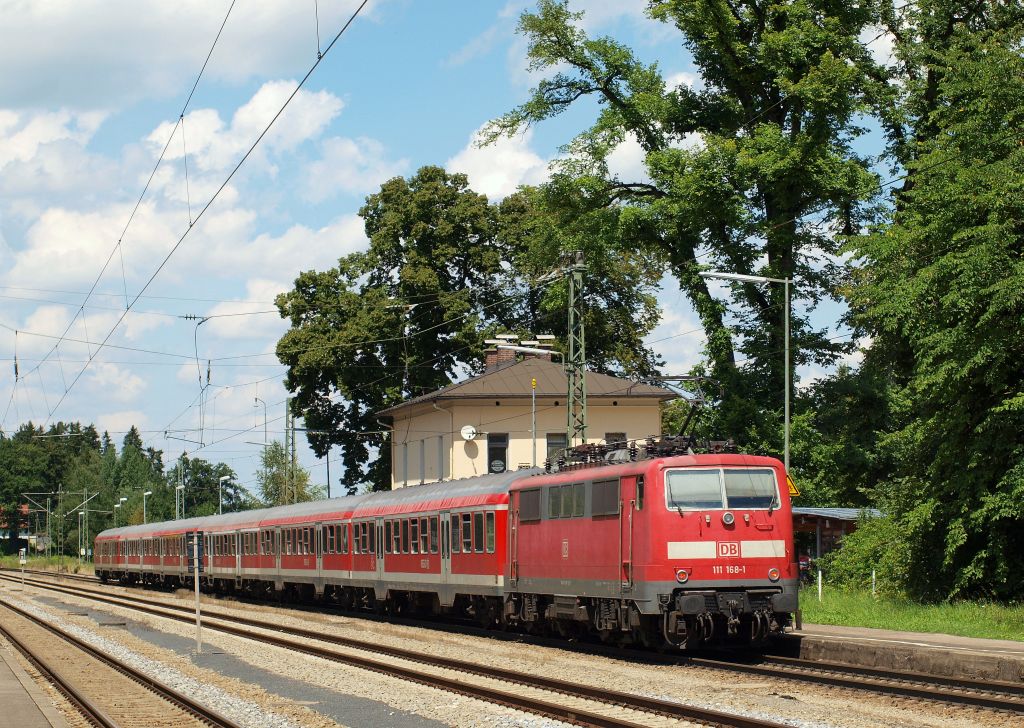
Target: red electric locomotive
(657, 548)
(680, 549)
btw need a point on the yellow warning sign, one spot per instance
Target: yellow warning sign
(792, 486)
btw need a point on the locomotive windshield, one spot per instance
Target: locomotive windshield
(746, 488)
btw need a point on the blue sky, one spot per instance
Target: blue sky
(97, 93)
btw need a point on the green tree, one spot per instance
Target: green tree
(735, 166)
(202, 493)
(941, 290)
(444, 270)
(281, 481)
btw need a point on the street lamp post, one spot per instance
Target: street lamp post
(116, 506)
(220, 491)
(257, 399)
(145, 518)
(785, 283)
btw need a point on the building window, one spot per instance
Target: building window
(497, 452)
(618, 438)
(557, 442)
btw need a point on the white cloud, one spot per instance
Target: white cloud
(121, 421)
(240, 320)
(350, 165)
(104, 54)
(500, 168)
(880, 42)
(213, 146)
(477, 47)
(66, 248)
(114, 382)
(273, 257)
(23, 133)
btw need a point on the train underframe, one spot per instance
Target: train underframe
(684, 619)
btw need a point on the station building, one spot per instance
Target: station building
(485, 423)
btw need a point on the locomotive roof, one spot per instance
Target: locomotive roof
(445, 494)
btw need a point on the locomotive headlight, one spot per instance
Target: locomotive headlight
(728, 518)
(682, 576)
(774, 574)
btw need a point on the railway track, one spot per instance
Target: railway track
(993, 695)
(580, 704)
(106, 691)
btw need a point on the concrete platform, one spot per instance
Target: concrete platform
(936, 654)
(23, 702)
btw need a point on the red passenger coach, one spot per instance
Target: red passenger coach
(656, 548)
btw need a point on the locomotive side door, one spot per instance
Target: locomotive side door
(627, 506)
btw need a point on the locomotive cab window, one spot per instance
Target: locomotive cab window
(694, 489)
(751, 488)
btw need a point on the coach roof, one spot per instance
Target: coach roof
(447, 494)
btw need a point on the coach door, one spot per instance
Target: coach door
(379, 548)
(446, 546)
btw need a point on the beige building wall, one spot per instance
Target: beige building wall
(427, 445)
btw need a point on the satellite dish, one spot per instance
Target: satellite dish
(468, 432)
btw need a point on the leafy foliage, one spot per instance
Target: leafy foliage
(731, 168)
(72, 463)
(444, 271)
(281, 481)
(941, 289)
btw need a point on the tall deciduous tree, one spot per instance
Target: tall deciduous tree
(282, 482)
(445, 269)
(941, 290)
(750, 170)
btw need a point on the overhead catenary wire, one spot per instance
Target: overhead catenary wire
(135, 209)
(213, 198)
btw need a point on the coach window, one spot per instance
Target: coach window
(478, 532)
(388, 538)
(405, 535)
(345, 527)
(424, 538)
(456, 538)
(371, 536)
(693, 489)
(566, 500)
(414, 536)
(490, 532)
(288, 541)
(433, 534)
(467, 533)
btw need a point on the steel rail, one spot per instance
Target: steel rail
(182, 701)
(644, 704)
(92, 713)
(993, 695)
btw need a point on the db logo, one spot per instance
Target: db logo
(565, 548)
(728, 549)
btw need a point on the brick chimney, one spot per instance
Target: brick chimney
(490, 359)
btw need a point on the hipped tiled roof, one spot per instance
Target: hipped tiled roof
(513, 380)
